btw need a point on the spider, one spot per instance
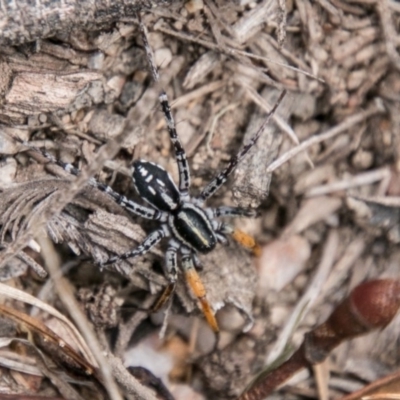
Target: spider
(190, 227)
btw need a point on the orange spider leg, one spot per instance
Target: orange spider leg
(246, 241)
(198, 289)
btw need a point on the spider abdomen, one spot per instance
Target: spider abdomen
(155, 185)
(191, 225)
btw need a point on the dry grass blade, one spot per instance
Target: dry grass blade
(65, 292)
(345, 125)
(19, 295)
(308, 298)
(235, 52)
(385, 388)
(66, 354)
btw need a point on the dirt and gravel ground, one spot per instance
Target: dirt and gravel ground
(324, 177)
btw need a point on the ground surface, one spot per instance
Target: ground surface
(329, 216)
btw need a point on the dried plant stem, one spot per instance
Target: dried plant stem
(345, 125)
(263, 388)
(130, 383)
(65, 293)
(371, 305)
(365, 178)
(126, 329)
(13, 293)
(233, 52)
(309, 297)
(389, 31)
(260, 101)
(195, 94)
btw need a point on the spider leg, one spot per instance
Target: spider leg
(135, 208)
(180, 154)
(149, 242)
(241, 237)
(225, 211)
(198, 289)
(197, 262)
(221, 178)
(171, 265)
(222, 238)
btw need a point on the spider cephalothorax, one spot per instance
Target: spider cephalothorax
(190, 227)
(188, 222)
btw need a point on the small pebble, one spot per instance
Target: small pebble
(10, 146)
(281, 261)
(163, 57)
(194, 5)
(230, 319)
(8, 169)
(96, 61)
(362, 159)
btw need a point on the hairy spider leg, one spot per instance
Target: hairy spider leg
(198, 289)
(242, 238)
(180, 154)
(221, 238)
(135, 208)
(171, 264)
(172, 272)
(239, 236)
(197, 262)
(149, 242)
(221, 178)
(226, 211)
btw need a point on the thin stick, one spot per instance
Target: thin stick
(65, 293)
(365, 178)
(260, 101)
(345, 125)
(235, 52)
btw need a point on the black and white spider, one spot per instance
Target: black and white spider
(190, 227)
